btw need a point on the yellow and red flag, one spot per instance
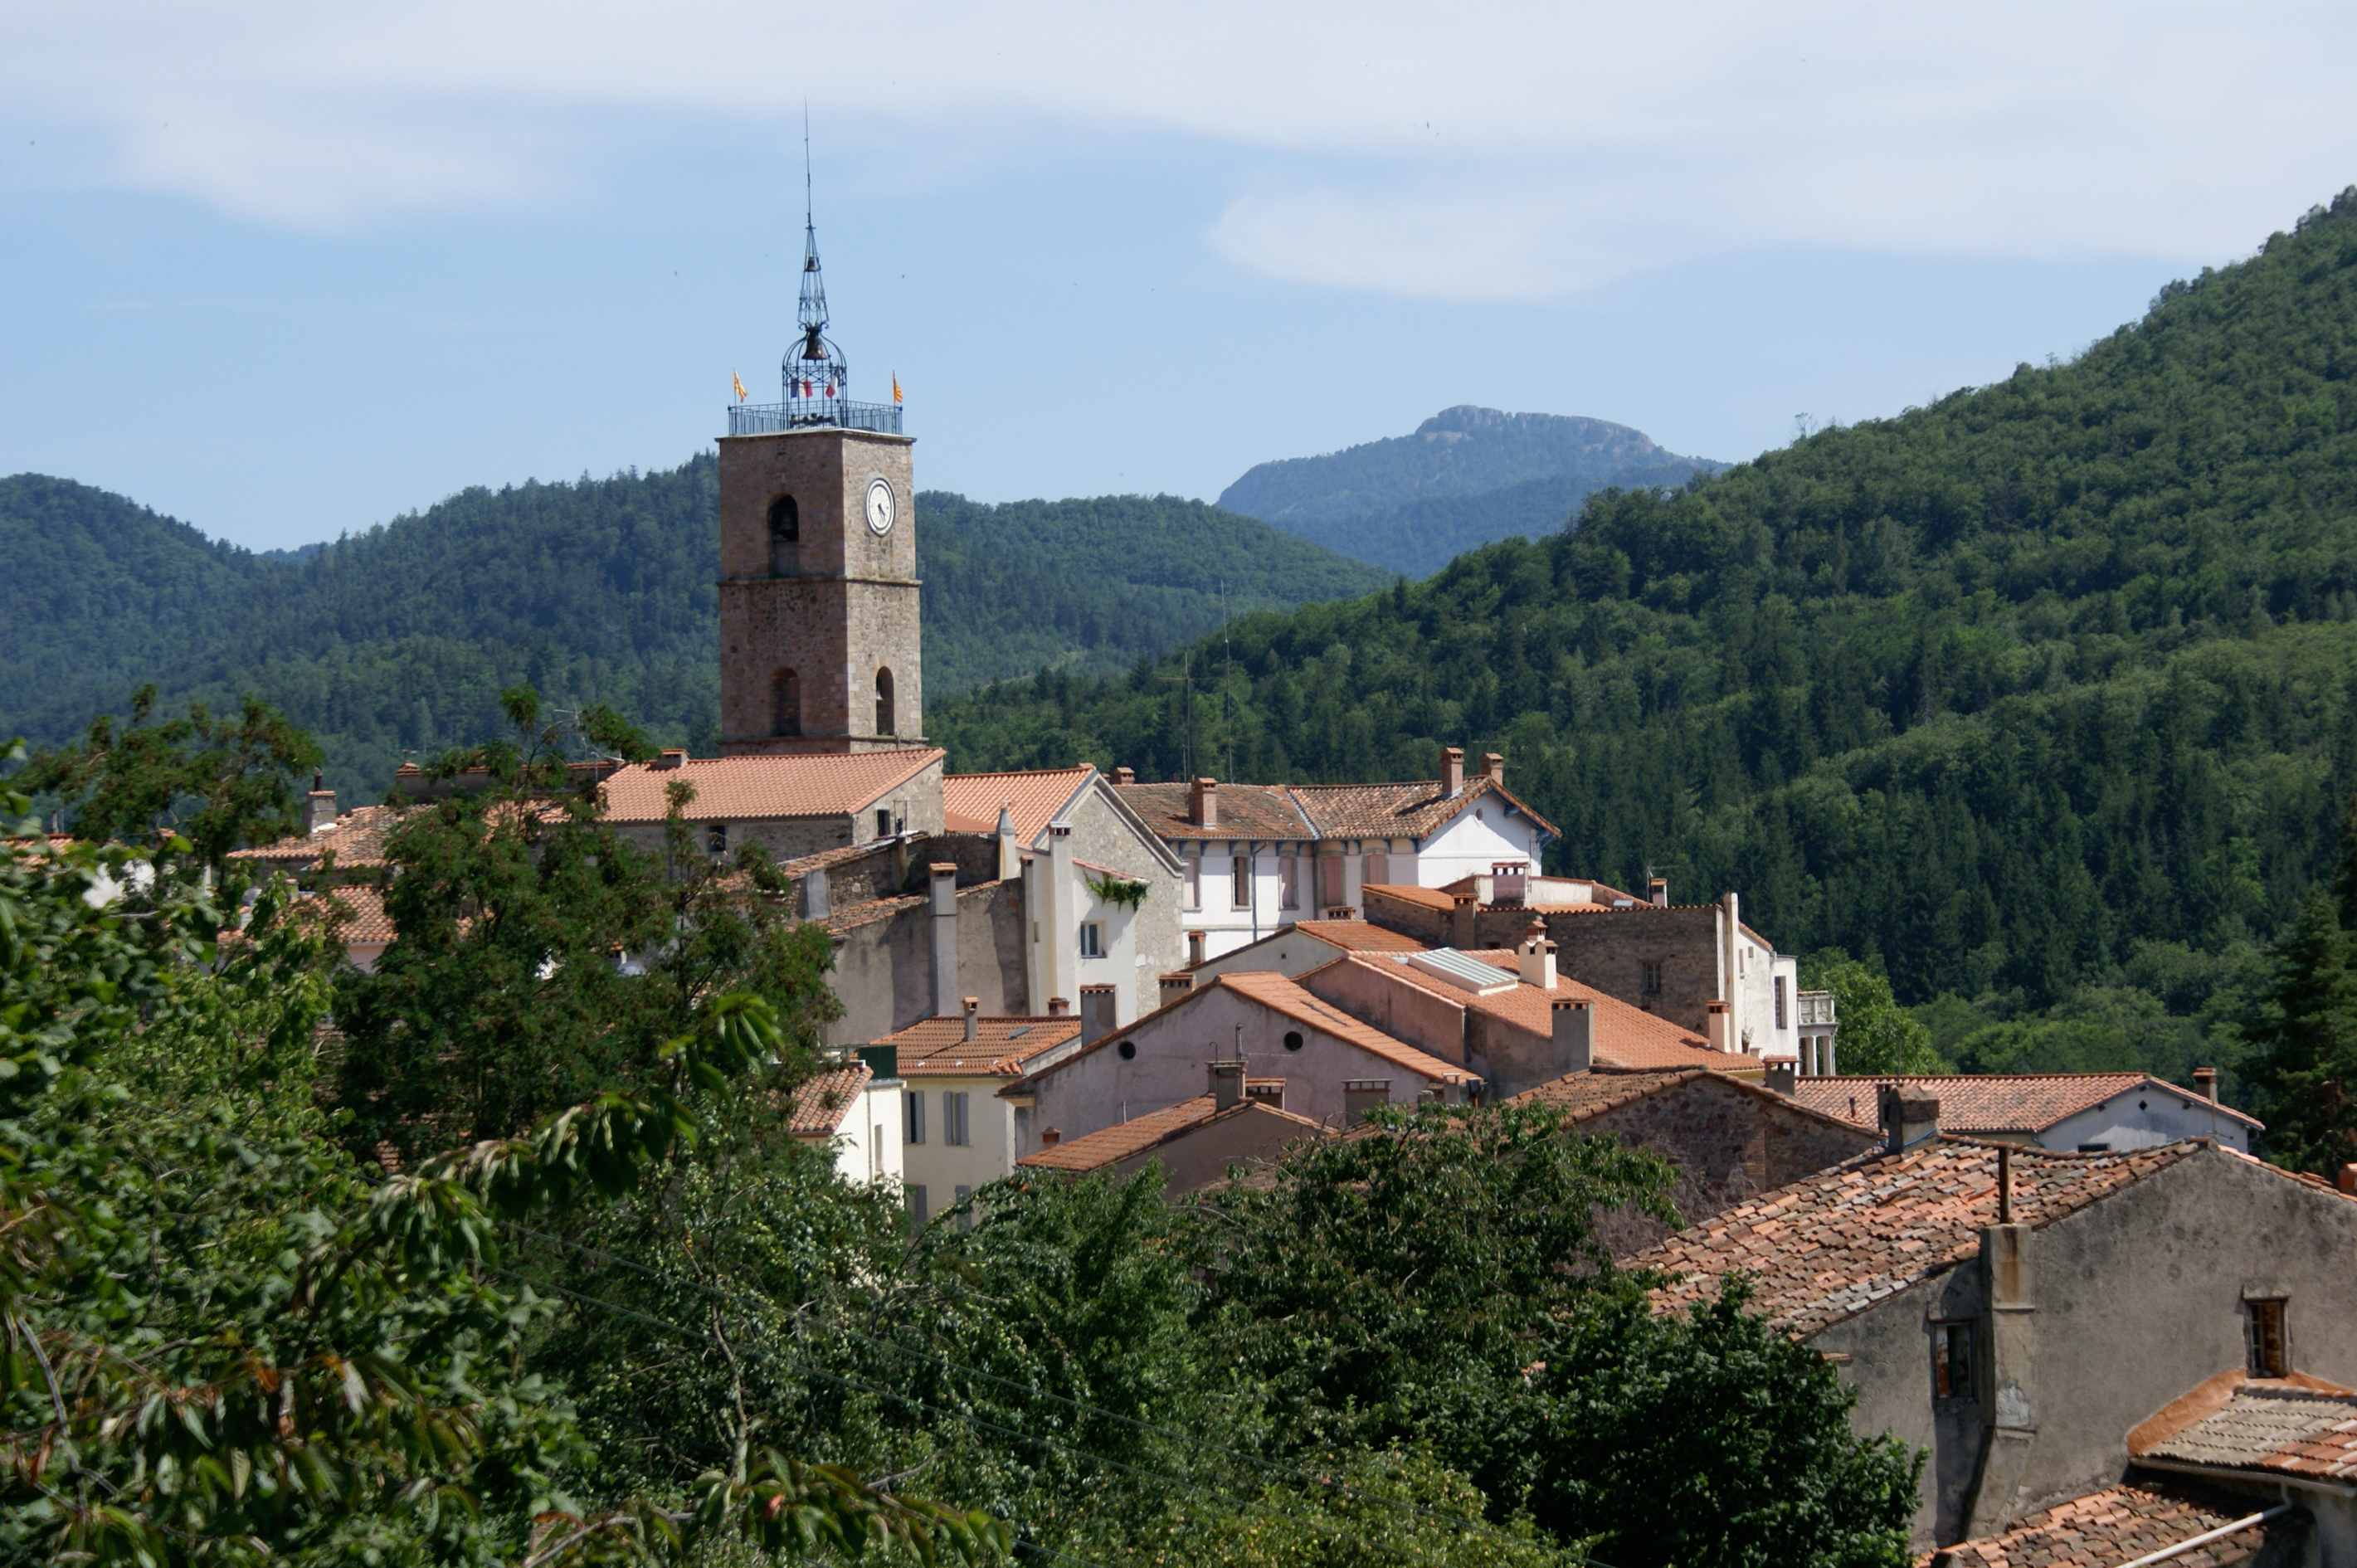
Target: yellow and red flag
(739, 384)
(895, 386)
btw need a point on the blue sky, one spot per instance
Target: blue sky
(284, 273)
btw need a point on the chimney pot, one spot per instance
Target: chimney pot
(1658, 890)
(1715, 1015)
(1203, 803)
(1909, 1116)
(1177, 984)
(1452, 771)
(972, 1006)
(2348, 1182)
(1493, 769)
(2205, 1083)
(1782, 1075)
(1059, 1007)
(673, 756)
(1537, 956)
(1124, 774)
(1575, 1035)
(1227, 1084)
(1051, 1138)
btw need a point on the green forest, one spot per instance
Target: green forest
(2041, 700)
(399, 639)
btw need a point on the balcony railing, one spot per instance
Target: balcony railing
(768, 418)
(1816, 1007)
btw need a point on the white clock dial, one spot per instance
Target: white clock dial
(880, 507)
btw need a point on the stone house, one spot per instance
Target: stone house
(1197, 1142)
(2080, 1112)
(791, 806)
(856, 1115)
(2019, 1313)
(1730, 1140)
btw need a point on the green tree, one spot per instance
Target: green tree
(2303, 1040)
(1873, 1034)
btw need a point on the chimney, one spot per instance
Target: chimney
(1452, 772)
(2205, 1083)
(1493, 769)
(1227, 1084)
(1203, 803)
(1010, 854)
(1464, 921)
(1175, 985)
(1537, 956)
(2348, 1179)
(973, 1006)
(1714, 1025)
(323, 803)
(1575, 1035)
(1051, 1137)
(1059, 1007)
(1657, 889)
(1782, 1075)
(1124, 774)
(815, 905)
(1909, 1117)
(945, 934)
(673, 756)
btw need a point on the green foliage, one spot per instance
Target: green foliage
(218, 783)
(2303, 1035)
(1875, 1035)
(1110, 889)
(397, 641)
(2005, 691)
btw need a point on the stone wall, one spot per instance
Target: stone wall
(884, 967)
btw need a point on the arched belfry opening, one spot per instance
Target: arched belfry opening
(785, 537)
(884, 701)
(786, 704)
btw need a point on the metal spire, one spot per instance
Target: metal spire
(816, 379)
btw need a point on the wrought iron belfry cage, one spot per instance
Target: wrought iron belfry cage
(814, 377)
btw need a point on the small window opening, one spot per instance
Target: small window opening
(883, 821)
(1092, 939)
(1239, 881)
(1653, 979)
(1293, 1040)
(1780, 1004)
(2270, 1346)
(785, 704)
(785, 536)
(883, 703)
(912, 1121)
(1951, 1359)
(716, 838)
(1128, 1049)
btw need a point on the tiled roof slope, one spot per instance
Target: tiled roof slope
(364, 921)
(1994, 1103)
(820, 1104)
(357, 839)
(937, 1048)
(1281, 995)
(1430, 897)
(1110, 1145)
(1357, 936)
(1835, 1244)
(1034, 796)
(750, 789)
(1581, 1095)
(1246, 811)
(2300, 1427)
(1624, 1036)
(2116, 1525)
(1395, 811)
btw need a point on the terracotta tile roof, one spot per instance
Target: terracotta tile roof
(1834, 1243)
(752, 789)
(364, 921)
(2297, 1426)
(1355, 936)
(1281, 995)
(1430, 897)
(1581, 1095)
(1035, 796)
(1397, 811)
(827, 859)
(1002, 1046)
(1624, 1036)
(1246, 811)
(853, 916)
(2116, 1525)
(357, 839)
(821, 1105)
(1110, 1145)
(1996, 1102)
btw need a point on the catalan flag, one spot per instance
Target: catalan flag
(739, 384)
(895, 386)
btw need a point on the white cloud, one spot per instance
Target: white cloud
(1513, 150)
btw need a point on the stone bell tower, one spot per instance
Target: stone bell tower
(819, 647)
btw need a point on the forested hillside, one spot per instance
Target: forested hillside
(2044, 696)
(401, 639)
(1420, 538)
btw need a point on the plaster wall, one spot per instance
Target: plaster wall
(2143, 1119)
(940, 1167)
(1286, 951)
(883, 973)
(869, 1148)
(1399, 1008)
(1225, 927)
(1141, 945)
(1473, 841)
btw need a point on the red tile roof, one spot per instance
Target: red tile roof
(1430, 897)
(1623, 1037)
(1833, 1244)
(821, 1105)
(851, 917)
(1246, 811)
(1035, 796)
(1111, 1145)
(2116, 1525)
(1397, 811)
(357, 839)
(360, 914)
(1002, 1046)
(2299, 1426)
(752, 789)
(1281, 995)
(1355, 936)
(1996, 1102)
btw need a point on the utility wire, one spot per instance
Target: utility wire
(1270, 1467)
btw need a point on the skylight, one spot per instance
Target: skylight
(1464, 972)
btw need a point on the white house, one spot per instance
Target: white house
(956, 1133)
(857, 1113)
(1258, 857)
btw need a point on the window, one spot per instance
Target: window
(915, 1196)
(1092, 939)
(1128, 1049)
(1288, 882)
(1194, 947)
(1650, 978)
(716, 838)
(1329, 878)
(1239, 881)
(785, 704)
(1780, 1004)
(1190, 889)
(1952, 1361)
(785, 531)
(954, 1129)
(2270, 1345)
(1293, 1040)
(913, 1116)
(883, 703)
(883, 821)
(1375, 870)
(875, 1149)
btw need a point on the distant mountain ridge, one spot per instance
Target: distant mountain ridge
(1463, 478)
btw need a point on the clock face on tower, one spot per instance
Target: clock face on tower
(880, 507)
